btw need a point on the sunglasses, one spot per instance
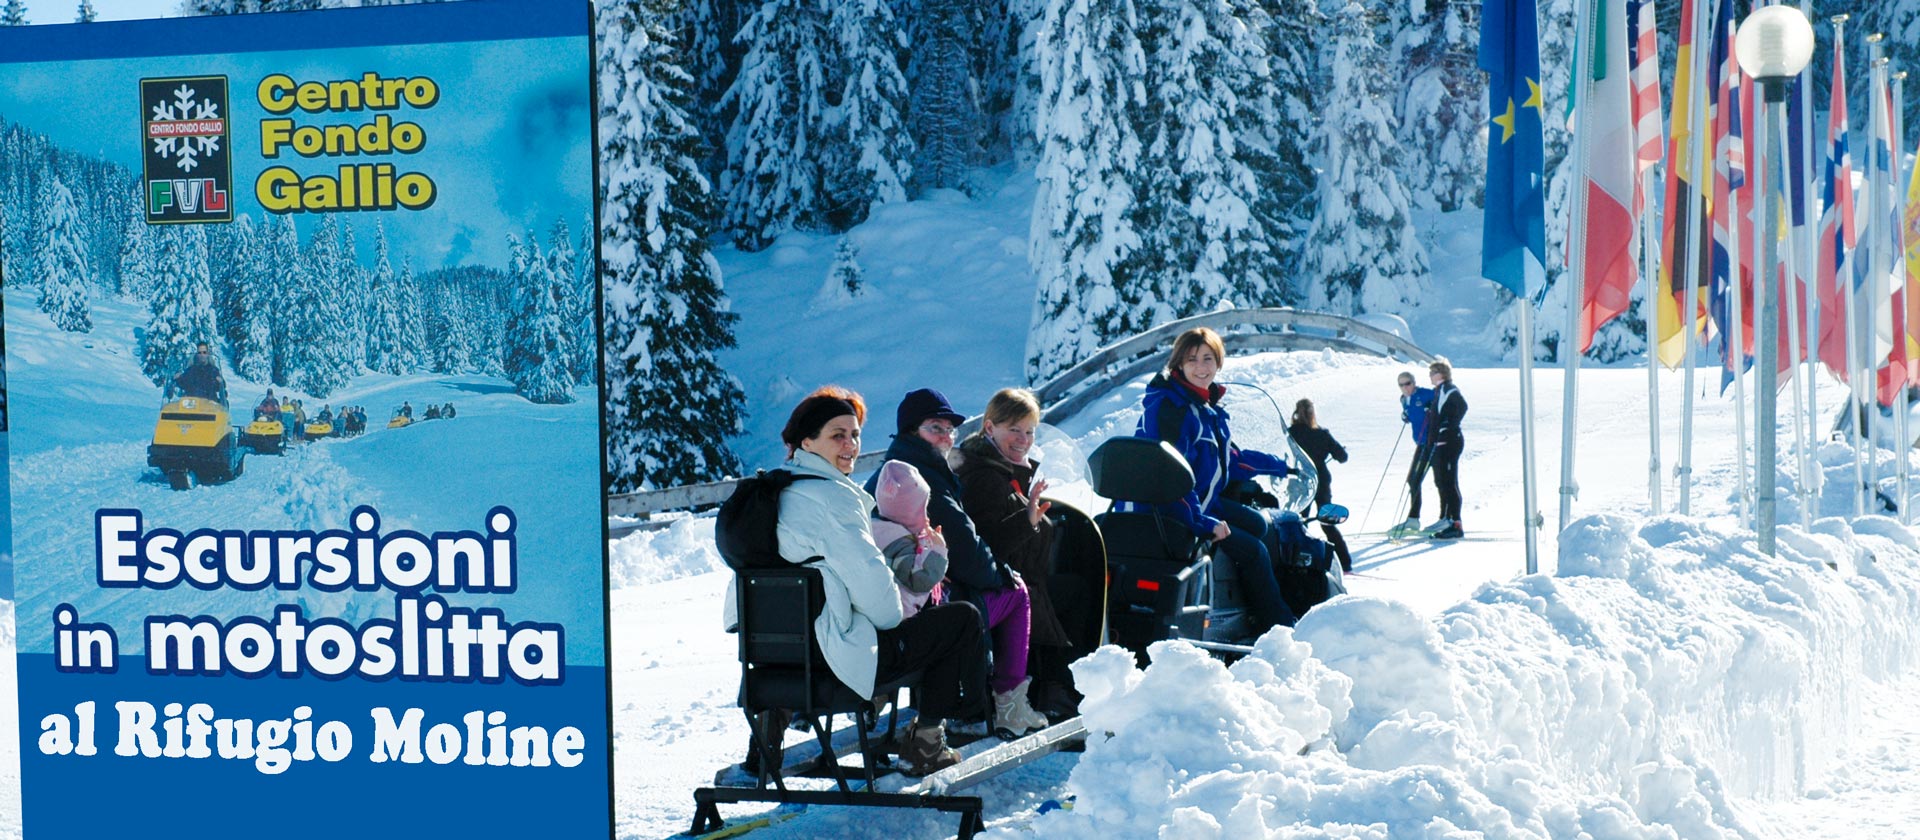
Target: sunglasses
(937, 429)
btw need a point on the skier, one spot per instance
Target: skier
(1443, 430)
(1413, 412)
(1319, 445)
(202, 377)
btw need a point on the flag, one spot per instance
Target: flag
(1516, 158)
(1837, 236)
(1604, 104)
(1729, 176)
(1643, 57)
(1910, 232)
(1683, 193)
(1889, 290)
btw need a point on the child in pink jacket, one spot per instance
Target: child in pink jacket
(915, 551)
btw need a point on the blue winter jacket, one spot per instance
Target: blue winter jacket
(1198, 429)
(1414, 410)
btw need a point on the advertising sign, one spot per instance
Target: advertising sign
(303, 441)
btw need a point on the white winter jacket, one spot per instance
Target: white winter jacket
(829, 519)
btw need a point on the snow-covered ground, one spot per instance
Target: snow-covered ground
(1661, 680)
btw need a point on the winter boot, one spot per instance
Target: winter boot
(1436, 527)
(1451, 532)
(769, 727)
(1407, 528)
(1013, 715)
(925, 749)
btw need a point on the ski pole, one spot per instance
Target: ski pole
(1383, 476)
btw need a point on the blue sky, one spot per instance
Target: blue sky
(62, 11)
(508, 144)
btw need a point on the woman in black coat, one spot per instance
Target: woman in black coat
(1319, 445)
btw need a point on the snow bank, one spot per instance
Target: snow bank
(682, 549)
(1666, 673)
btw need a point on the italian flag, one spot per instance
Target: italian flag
(1603, 223)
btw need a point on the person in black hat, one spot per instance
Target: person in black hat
(924, 432)
(202, 377)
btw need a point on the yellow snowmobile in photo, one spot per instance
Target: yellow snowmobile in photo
(399, 421)
(265, 435)
(194, 443)
(319, 429)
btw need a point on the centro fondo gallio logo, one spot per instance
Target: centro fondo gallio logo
(185, 134)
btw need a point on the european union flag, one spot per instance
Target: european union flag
(1516, 160)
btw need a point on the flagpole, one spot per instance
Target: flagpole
(1904, 445)
(1876, 253)
(1535, 275)
(1696, 144)
(1736, 322)
(1650, 269)
(1811, 479)
(1854, 352)
(1569, 346)
(1801, 458)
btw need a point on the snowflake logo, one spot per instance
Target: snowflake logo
(186, 149)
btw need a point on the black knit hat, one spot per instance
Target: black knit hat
(918, 406)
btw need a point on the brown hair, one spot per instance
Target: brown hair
(812, 414)
(1303, 415)
(1192, 340)
(1012, 405)
(1440, 366)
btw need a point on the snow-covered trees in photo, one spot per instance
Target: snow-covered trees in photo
(1363, 254)
(389, 348)
(845, 279)
(1208, 87)
(780, 123)
(63, 264)
(14, 13)
(258, 300)
(85, 13)
(1442, 105)
(282, 256)
(321, 352)
(136, 257)
(869, 156)
(944, 111)
(670, 407)
(1093, 83)
(534, 355)
(180, 313)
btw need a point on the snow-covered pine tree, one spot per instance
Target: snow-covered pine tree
(1206, 72)
(1441, 108)
(1025, 117)
(1093, 86)
(352, 284)
(996, 69)
(321, 352)
(181, 309)
(280, 284)
(387, 342)
(943, 113)
(136, 258)
(1278, 128)
(564, 264)
(259, 308)
(228, 247)
(416, 346)
(63, 263)
(869, 157)
(535, 354)
(85, 13)
(670, 406)
(781, 121)
(14, 13)
(1363, 254)
(586, 309)
(845, 280)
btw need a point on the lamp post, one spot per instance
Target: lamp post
(1773, 45)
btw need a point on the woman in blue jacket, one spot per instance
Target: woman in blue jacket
(1182, 407)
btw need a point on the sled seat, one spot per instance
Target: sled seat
(1159, 568)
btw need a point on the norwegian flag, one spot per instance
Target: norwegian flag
(1836, 236)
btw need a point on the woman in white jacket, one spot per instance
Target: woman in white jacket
(861, 631)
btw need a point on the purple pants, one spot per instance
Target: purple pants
(1010, 619)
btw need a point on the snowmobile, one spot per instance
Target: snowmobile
(319, 429)
(399, 421)
(194, 442)
(266, 435)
